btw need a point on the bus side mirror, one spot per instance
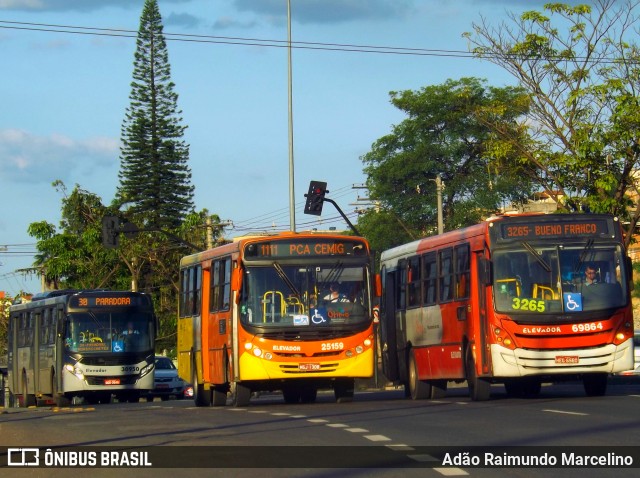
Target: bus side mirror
(630, 273)
(484, 271)
(236, 282)
(377, 285)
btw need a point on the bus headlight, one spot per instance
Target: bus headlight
(146, 370)
(359, 349)
(257, 352)
(75, 370)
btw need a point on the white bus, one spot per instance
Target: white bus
(76, 343)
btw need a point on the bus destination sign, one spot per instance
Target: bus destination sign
(302, 248)
(103, 301)
(554, 229)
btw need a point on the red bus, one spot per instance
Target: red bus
(258, 315)
(507, 301)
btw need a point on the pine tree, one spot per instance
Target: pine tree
(155, 179)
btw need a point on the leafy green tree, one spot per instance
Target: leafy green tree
(580, 139)
(444, 136)
(155, 179)
(72, 256)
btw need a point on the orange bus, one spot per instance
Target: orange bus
(257, 315)
(507, 301)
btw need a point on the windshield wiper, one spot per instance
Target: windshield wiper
(583, 254)
(333, 275)
(538, 257)
(286, 279)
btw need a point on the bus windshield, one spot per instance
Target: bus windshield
(109, 332)
(534, 279)
(290, 295)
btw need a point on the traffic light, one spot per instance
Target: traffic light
(110, 232)
(315, 198)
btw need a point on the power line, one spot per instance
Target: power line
(269, 43)
(113, 32)
(269, 221)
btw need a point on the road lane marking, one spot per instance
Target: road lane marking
(564, 412)
(377, 438)
(400, 447)
(357, 430)
(451, 471)
(337, 425)
(317, 420)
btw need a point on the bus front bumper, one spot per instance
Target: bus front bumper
(523, 362)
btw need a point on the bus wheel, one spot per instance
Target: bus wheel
(343, 389)
(479, 388)
(219, 395)
(201, 397)
(242, 396)
(595, 385)
(418, 389)
(58, 398)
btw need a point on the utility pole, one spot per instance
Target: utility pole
(292, 196)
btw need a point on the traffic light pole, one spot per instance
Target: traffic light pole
(353, 228)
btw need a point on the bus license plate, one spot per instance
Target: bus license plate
(567, 359)
(309, 367)
(112, 381)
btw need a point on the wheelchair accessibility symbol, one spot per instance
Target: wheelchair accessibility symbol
(572, 301)
(317, 318)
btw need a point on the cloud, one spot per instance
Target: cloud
(25, 157)
(181, 20)
(329, 11)
(224, 23)
(77, 5)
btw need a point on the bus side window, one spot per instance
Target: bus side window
(413, 281)
(401, 286)
(462, 271)
(430, 278)
(446, 275)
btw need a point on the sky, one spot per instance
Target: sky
(65, 82)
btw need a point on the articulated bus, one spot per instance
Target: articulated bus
(257, 315)
(507, 301)
(68, 343)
